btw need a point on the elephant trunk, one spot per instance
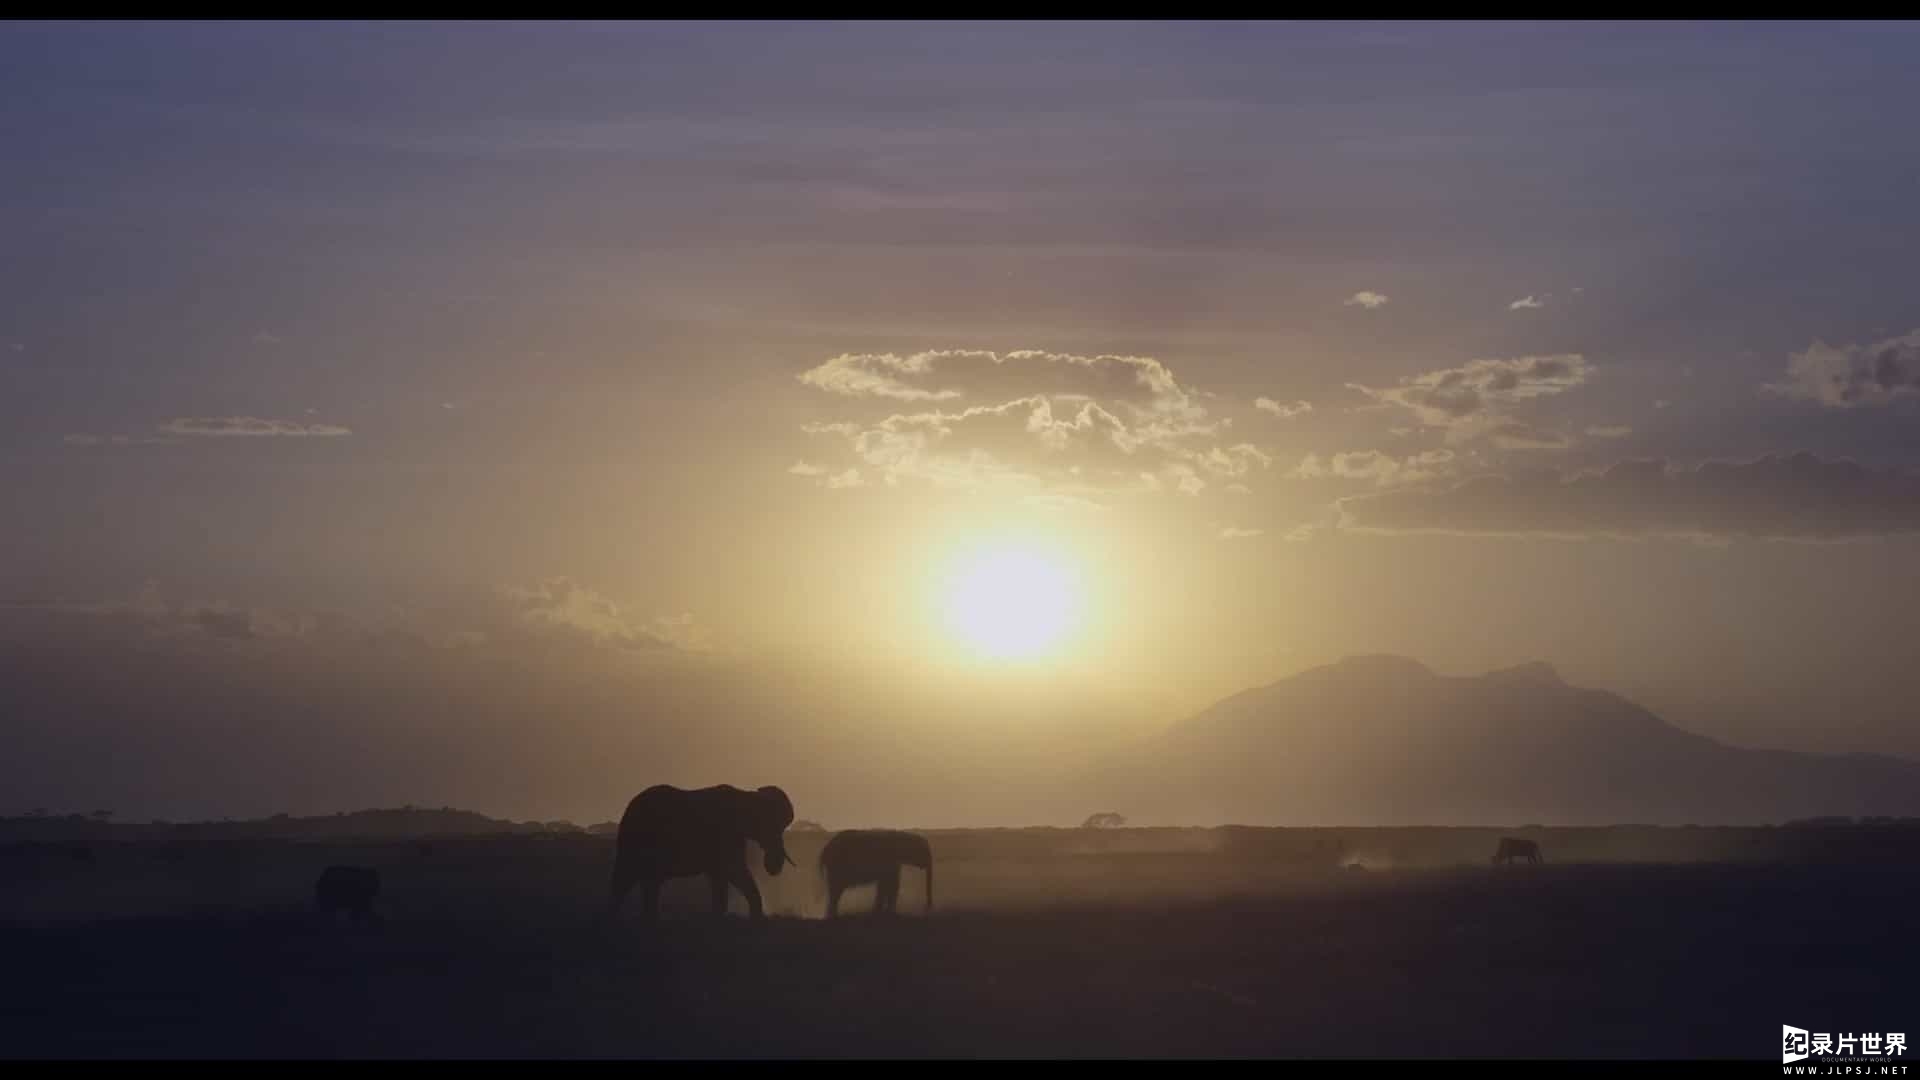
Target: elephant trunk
(776, 857)
(773, 850)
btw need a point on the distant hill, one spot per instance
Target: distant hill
(1368, 741)
(403, 823)
(1384, 740)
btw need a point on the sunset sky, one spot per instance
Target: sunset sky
(514, 416)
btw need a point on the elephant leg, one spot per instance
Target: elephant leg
(834, 889)
(719, 884)
(743, 880)
(888, 894)
(650, 900)
(617, 895)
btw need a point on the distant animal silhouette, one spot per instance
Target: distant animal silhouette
(669, 832)
(1512, 847)
(352, 889)
(874, 856)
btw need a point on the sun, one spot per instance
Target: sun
(1011, 603)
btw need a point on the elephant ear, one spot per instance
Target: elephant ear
(782, 807)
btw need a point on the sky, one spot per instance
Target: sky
(512, 416)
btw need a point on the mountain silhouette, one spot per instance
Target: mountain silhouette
(1384, 740)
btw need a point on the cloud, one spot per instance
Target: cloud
(1373, 466)
(973, 447)
(1175, 478)
(84, 439)
(249, 426)
(1473, 400)
(147, 613)
(191, 427)
(846, 428)
(827, 478)
(225, 624)
(555, 612)
(1079, 426)
(875, 376)
(1514, 435)
(1284, 412)
(559, 606)
(1238, 460)
(1232, 533)
(1797, 497)
(1853, 376)
(1366, 299)
(1527, 302)
(1064, 502)
(1609, 431)
(682, 631)
(981, 376)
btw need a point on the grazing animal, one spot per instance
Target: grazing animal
(669, 832)
(1512, 847)
(874, 856)
(348, 888)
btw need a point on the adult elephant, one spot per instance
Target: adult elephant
(668, 832)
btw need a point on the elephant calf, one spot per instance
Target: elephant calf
(348, 888)
(873, 856)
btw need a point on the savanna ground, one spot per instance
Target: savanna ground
(1052, 943)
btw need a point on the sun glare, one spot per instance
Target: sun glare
(1009, 603)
